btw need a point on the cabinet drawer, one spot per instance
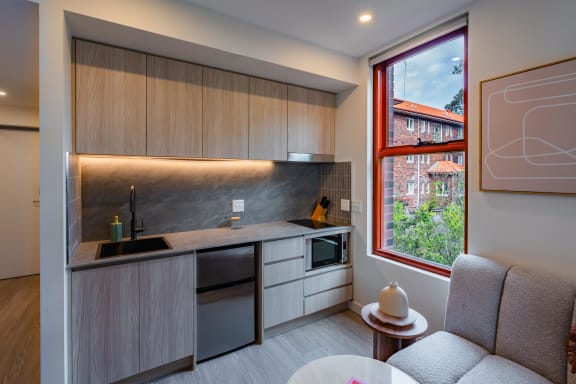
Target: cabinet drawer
(327, 299)
(282, 249)
(283, 271)
(282, 303)
(325, 281)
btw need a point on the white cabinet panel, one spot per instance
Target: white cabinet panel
(326, 281)
(327, 299)
(283, 271)
(282, 249)
(283, 303)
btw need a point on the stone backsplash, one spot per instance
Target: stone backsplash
(183, 195)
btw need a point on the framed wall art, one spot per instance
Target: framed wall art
(528, 130)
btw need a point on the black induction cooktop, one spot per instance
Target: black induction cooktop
(311, 223)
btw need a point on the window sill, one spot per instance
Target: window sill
(410, 268)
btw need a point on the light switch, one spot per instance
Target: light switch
(356, 206)
(237, 205)
(345, 205)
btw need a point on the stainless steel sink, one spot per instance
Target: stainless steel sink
(129, 247)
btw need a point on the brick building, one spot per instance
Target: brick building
(418, 178)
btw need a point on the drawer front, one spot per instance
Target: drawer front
(326, 281)
(278, 250)
(327, 299)
(283, 303)
(283, 271)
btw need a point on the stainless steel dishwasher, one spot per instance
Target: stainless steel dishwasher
(226, 299)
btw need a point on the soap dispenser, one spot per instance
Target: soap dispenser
(115, 230)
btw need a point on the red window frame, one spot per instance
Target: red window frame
(383, 150)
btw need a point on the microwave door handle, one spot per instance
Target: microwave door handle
(332, 242)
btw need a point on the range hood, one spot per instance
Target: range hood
(310, 157)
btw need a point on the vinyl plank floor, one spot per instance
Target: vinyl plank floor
(20, 330)
(280, 356)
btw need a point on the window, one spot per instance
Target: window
(410, 188)
(422, 126)
(411, 223)
(442, 188)
(437, 132)
(410, 124)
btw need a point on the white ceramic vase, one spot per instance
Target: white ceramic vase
(393, 301)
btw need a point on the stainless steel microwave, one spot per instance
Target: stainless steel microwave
(326, 249)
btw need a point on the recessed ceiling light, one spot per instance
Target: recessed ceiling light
(365, 17)
(2, 93)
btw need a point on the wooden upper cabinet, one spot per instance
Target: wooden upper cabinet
(225, 114)
(110, 100)
(310, 121)
(268, 136)
(174, 108)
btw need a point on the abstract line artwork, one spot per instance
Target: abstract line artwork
(528, 130)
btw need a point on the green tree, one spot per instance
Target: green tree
(457, 103)
(425, 235)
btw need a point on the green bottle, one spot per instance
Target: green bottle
(115, 230)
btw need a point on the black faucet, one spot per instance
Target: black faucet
(133, 229)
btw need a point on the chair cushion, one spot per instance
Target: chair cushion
(535, 316)
(494, 369)
(441, 358)
(475, 290)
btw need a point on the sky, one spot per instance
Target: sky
(426, 78)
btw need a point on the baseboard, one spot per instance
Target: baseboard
(355, 307)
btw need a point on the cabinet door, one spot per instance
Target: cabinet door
(283, 249)
(166, 310)
(225, 114)
(283, 303)
(110, 100)
(282, 272)
(105, 324)
(268, 129)
(310, 121)
(174, 108)
(327, 299)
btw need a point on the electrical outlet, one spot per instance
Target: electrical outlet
(237, 205)
(345, 205)
(356, 206)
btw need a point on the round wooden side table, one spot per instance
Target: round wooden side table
(389, 338)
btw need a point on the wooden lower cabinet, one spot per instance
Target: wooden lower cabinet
(130, 318)
(166, 310)
(105, 311)
(283, 303)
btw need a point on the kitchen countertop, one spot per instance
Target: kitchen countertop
(187, 242)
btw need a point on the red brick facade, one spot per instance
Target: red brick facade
(418, 178)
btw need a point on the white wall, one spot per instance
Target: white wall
(534, 230)
(18, 116)
(508, 36)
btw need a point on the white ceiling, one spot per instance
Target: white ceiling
(330, 24)
(19, 53)
(333, 24)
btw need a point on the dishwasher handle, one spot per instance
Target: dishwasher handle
(225, 285)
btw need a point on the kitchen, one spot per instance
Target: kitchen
(208, 211)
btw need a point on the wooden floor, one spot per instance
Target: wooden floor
(20, 330)
(280, 356)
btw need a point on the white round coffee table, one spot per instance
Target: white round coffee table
(348, 369)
